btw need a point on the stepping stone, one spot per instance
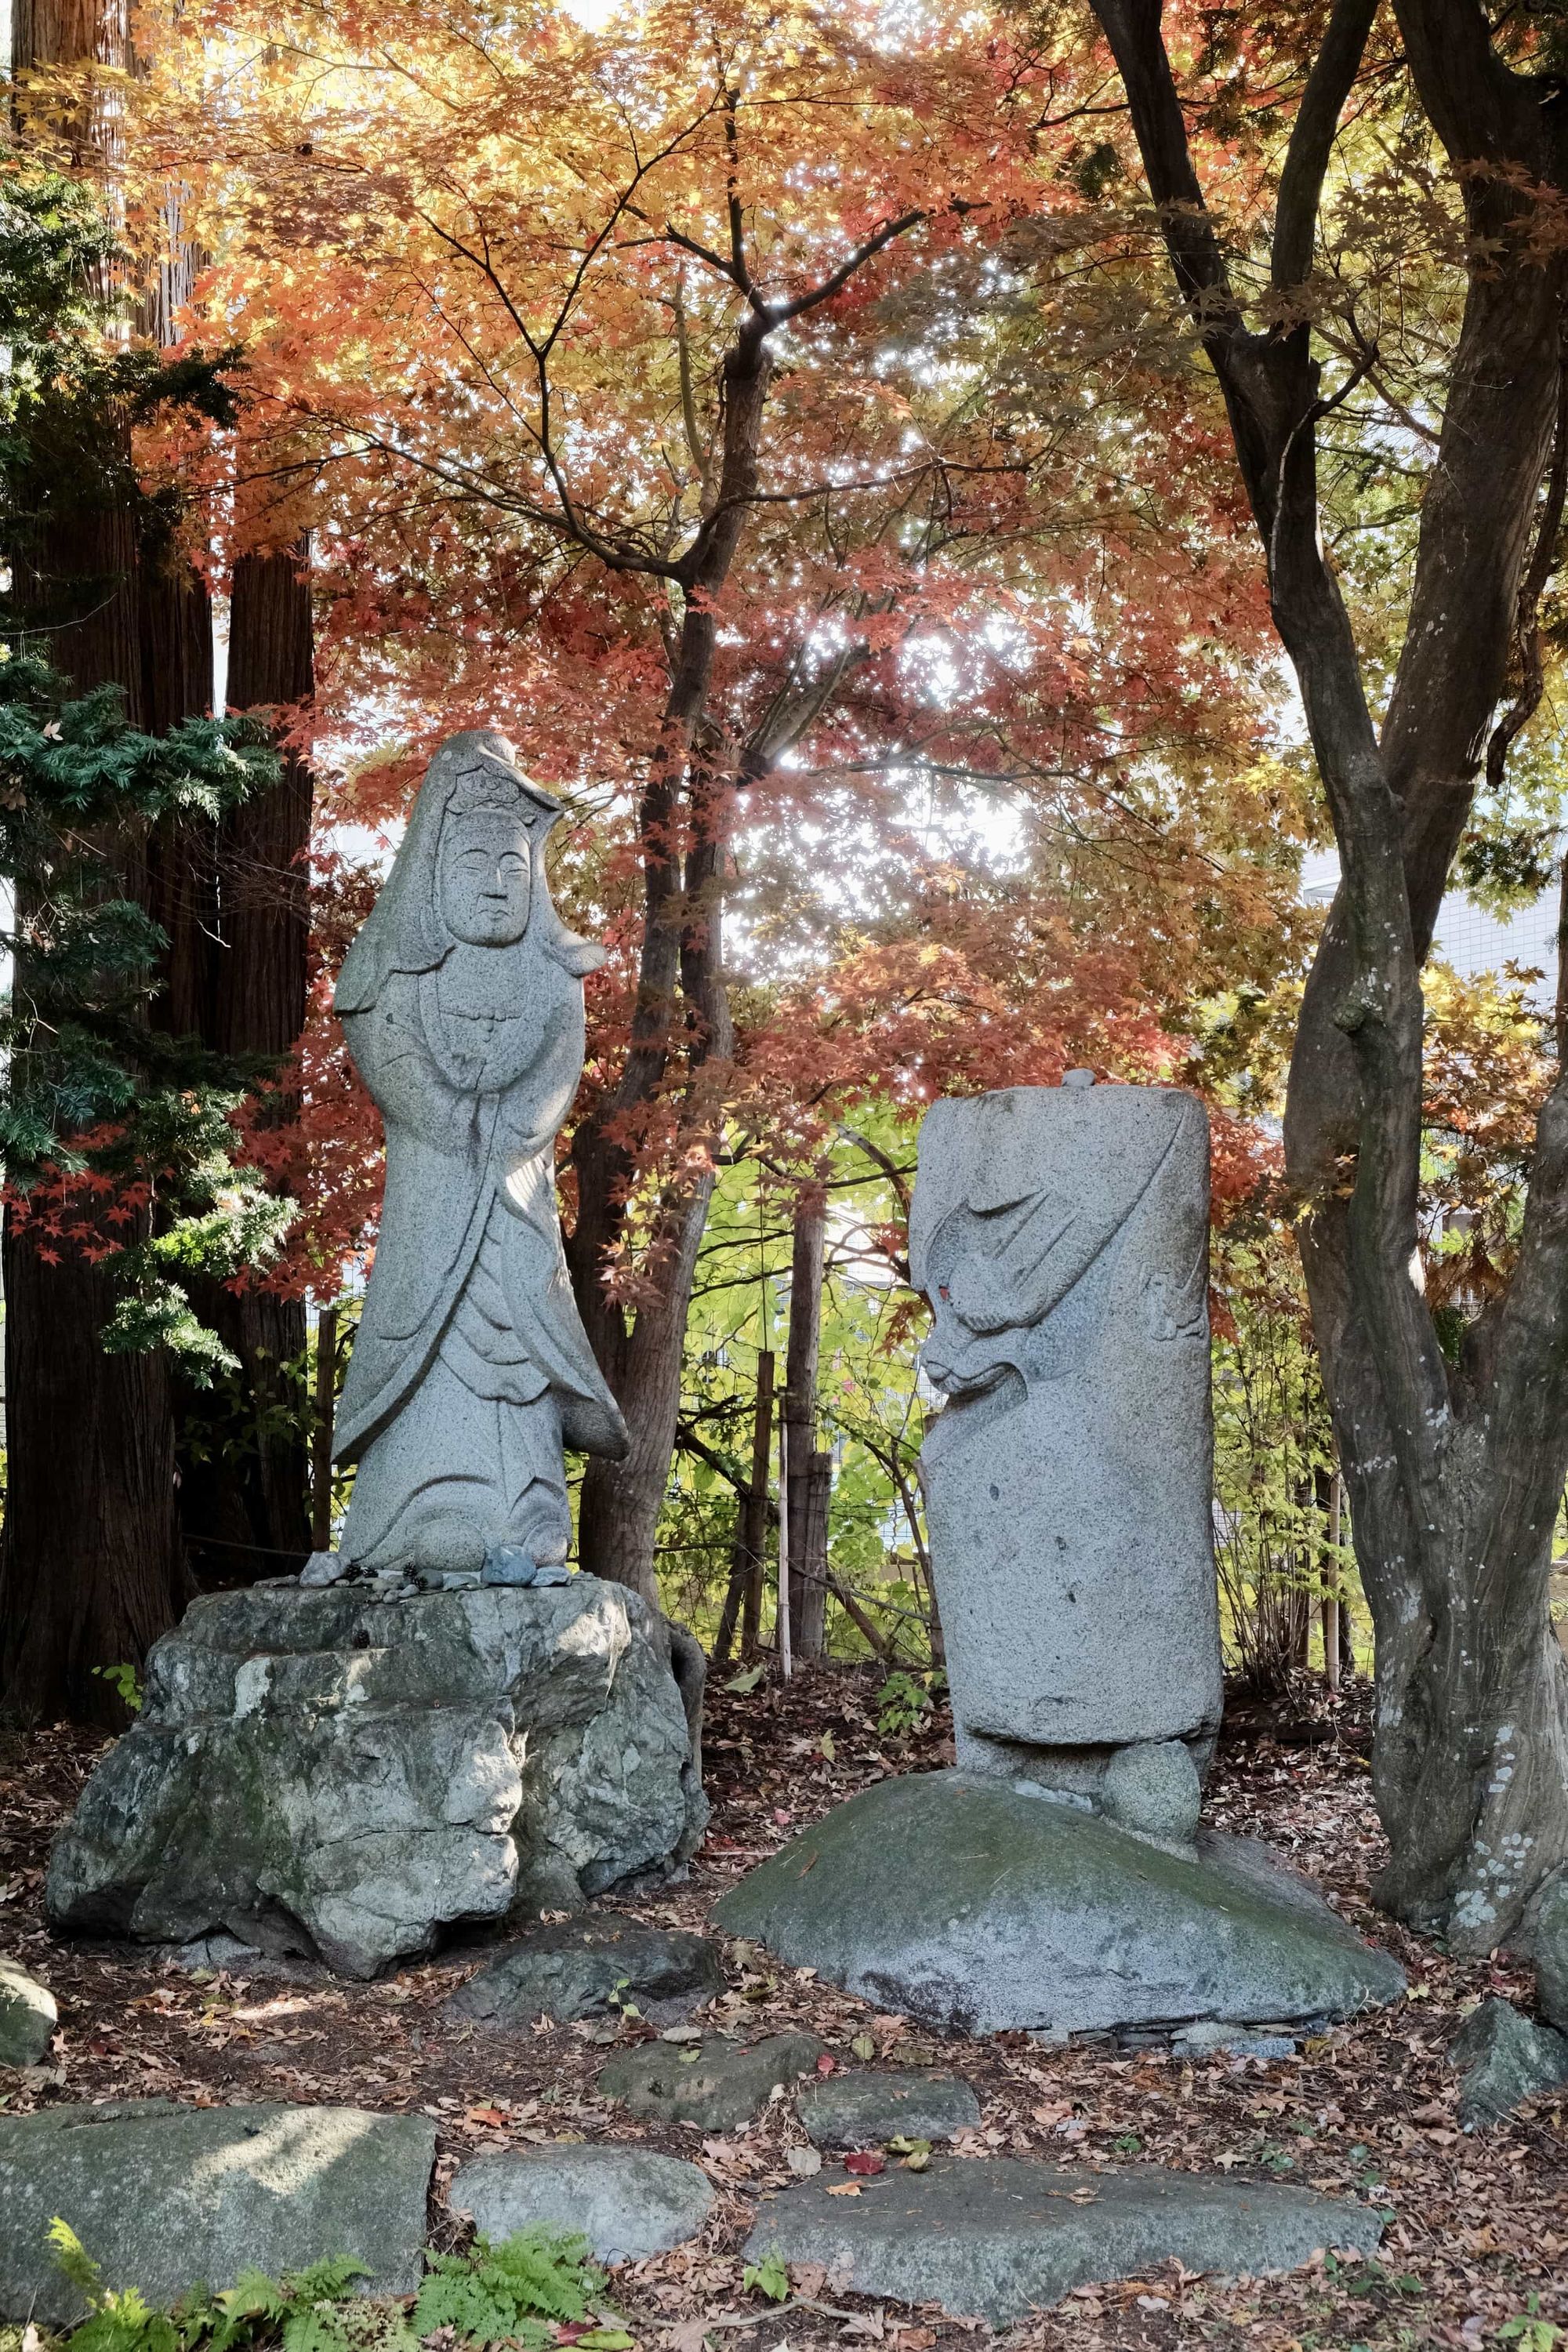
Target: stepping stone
(869, 2110)
(983, 1905)
(627, 2202)
(992, 2238)
(714, 2085)
(162, 2196)
(1504, 2060)
(28, 2017)
(571, 1969)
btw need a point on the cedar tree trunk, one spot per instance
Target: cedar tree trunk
(243, 1498)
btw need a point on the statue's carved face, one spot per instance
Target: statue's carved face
(486, 879)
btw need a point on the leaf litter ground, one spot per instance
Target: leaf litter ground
(1476, 2252)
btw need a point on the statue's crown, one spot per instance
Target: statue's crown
(492, 784)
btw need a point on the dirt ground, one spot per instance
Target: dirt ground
(1476, 2253)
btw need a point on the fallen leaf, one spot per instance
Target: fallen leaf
(805, 2163)
(864, 2161)
(845, 2188)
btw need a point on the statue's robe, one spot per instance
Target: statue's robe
(1061, 1237)
(471, 1365)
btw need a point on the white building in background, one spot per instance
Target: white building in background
(1468, 937)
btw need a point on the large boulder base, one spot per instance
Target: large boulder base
(993, 2238)
(572, 1968)
(628, 2202)
(333, 1774)
(714, 2085)
(162, 2196)
(28, 2017)
(1504, 2060)
(869, 2110)
(1551, 1949)
(983, 1907)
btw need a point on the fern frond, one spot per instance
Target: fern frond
(74, 2263)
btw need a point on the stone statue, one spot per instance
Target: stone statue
(462, 1002)
(1061, 1237)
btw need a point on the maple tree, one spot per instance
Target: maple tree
(667, 395)
(1454, 1453)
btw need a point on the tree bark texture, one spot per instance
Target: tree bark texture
(90, 1566)
(1454, 1474)
(244, 1499)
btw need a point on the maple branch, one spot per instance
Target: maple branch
(1312, 136)
(779, 314)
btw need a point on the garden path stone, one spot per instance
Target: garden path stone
(715, 2085)
(571, 1968)
(1504, 2060)
(162, 2196)
(983, 1907)
(869, 2110)
(990, 2238)
(627, 2202)
(28, 2017)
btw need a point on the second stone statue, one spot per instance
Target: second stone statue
(462, 1002)
(1061, 1237)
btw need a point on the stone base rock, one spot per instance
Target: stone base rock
(627, 2202)
(28, 2017)
(991, 2238)
(983, 1908)
(162, 2196)
(714, 2085)
(1504, 2060)
(1551, 1949)
(571, 1969)
(869, 2110)
(326, 1773)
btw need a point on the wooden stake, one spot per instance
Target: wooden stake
(1332, 1600)
(781, 1616)
(321, 1434)
(754, 1514)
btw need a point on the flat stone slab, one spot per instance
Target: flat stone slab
(993, 2238)
(715, 2085)
(571, 1969)
(983, 1907)
(162, 2196)
(1504, 2060)
(869, 2110)
(28, 2017)
(627, 2202)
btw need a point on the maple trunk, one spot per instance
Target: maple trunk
(244, 1486)
(807, 1597)
(1454, 1473)
(642, 1355)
